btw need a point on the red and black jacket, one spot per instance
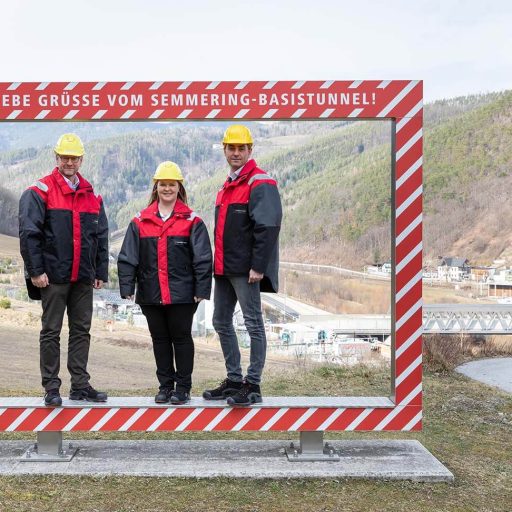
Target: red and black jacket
(247, 222)
(171, 261)
(63, 232)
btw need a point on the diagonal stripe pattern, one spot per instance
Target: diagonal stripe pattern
(261, 419)
(371, 99)
(407, 250)
(399, 100)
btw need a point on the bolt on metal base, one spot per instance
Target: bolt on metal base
(312, 449)
(48, 448)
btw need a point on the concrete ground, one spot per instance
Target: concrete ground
(385, 460)
(495, 372)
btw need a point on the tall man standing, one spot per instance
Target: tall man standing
(64, 244)
(247, 223)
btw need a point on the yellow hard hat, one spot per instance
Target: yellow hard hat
(69, 144)
(237, 134)
(168, 171)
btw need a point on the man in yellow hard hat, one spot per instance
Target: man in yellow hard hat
(247, 223)
(64, 244)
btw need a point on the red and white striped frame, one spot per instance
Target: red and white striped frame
(189, 418)
(396, 100)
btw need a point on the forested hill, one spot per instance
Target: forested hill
(8, 213)
(334, 178)
(121, 167)
(336, 189)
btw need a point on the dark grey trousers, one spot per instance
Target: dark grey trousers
(77, 299)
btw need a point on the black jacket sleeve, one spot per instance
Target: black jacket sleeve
(102, 252)
(266, 213)
(32, 212)
(201, 260)
(128, 261)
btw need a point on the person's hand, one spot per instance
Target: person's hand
(255, 277)
(198, 299)
(40, 281)
(98, 284)
(128, 297)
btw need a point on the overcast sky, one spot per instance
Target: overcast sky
(457, 47)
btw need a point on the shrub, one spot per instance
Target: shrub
(5, 303)
(443, 353)
(22, 294)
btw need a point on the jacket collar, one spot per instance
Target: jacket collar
(247, 169)
(64, 187)
(151, 212)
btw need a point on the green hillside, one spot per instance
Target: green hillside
(334, 178)
(121, 167)
(336, 187)
(8, 212)
(320, 180)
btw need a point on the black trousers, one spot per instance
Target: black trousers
(170, 327)
(77, 299)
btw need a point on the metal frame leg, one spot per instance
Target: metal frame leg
(312, 449)
(48, 448)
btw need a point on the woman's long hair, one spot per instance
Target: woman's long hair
(182, 194)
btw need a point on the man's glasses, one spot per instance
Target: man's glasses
(72, 159)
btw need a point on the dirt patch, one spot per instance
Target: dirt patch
(120, 360)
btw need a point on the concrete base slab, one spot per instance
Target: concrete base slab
(387, 460)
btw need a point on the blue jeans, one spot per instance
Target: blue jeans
(229, 290)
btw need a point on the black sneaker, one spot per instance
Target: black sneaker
(163, 396)
(179, 397)
(89, 394)
(52, 398)
(223, 390)
(248, 394)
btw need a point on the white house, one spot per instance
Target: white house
(453, 269)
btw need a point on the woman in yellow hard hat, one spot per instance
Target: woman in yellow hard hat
(166, 252)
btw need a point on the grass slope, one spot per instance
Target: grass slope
(10, 247)
(467, 426)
